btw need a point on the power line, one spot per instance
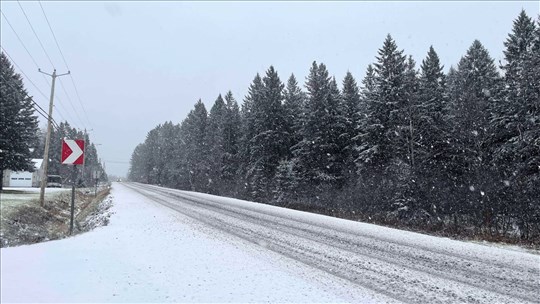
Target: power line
(37, 66)
(59, 114)
(20, 40)
(47, 54)
(35, 34)
(72, 106)
(22, 72)
(67, 66)
(32, 83)
(36, 106)
(79, 98)
(27, 51)
(27, 19)
(54, 36)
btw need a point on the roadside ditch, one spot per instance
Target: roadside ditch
(29, 223)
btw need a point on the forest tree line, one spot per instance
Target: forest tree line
(456, 152)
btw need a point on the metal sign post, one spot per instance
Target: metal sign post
(72, 154)
(95, 176)
(73, 181)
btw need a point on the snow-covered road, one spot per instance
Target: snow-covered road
(166, 245)
(403, 266)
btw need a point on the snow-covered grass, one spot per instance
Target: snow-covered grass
(13, 197)
(149, 253)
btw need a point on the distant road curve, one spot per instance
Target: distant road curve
(404, 266)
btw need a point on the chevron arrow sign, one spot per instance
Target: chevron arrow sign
(72, 151)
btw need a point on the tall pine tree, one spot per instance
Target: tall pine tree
(320, 153)
(352, 106)
(215, 144)
(475, 92)
(254, 96)
(516, 121)
(194, 129)
(18, 123)
(268, 146)
(433, 135)
(231, 146)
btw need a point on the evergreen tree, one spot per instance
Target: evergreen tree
(231, 145)
(351, 102)
(154, 164)
(367, 97)
(476, 90)
(511, 114)
(433, 135)
(18, 123)
(431, 111)
(385, 152)
(286, 176)
(320, 154)
(294, 102)
(169, 139)
(255, 92)
(384, 108)
(516, 121)
(268, 146)
(215, 143)
(136, 172)
(194, 129)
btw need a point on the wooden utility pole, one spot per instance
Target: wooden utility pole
(47, 139)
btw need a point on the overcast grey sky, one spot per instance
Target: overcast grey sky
(138, 64)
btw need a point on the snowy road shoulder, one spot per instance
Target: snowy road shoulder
(150, 254)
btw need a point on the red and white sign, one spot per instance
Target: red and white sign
(72, 151)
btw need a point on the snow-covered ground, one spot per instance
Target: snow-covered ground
(35, 190)
(150, 253)
(24, 195)
(12, 198)
(165, 245)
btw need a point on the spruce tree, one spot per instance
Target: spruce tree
(18, 123)
(286, 175)
(231, 145)
(320, 154)
(194, 129)
(351, 102)
(433, 135)
(384, 159)
(516, 120)
(169, 143)
(476, 91)
(268, 146)
(385, 108)
(367, 97)
(215, 143)
(254, 95)
(294, 102)
(136, 171)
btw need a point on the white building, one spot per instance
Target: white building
(24, 178)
